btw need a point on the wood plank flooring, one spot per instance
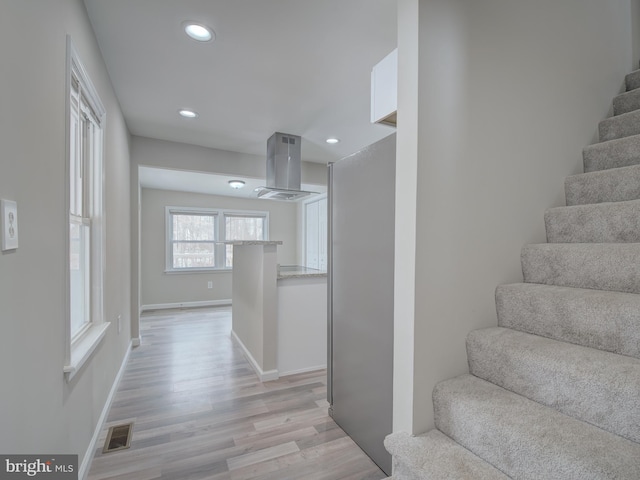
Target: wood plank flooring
(200, 413)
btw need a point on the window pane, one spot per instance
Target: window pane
(79, 276)
(228, 259)
(75, 161)
(241, 228)
(193, 255)
(194, 227)
(244, 228)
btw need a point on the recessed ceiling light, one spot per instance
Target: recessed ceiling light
(185, 112)
(236, 184)
(332, 140)
(198, 32)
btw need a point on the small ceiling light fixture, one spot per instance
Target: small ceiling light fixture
(185, 112)
(332, 140)
(236, 184)
(198, 32)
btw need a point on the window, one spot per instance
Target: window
(195, 236)
(85, 122)
(193, 240)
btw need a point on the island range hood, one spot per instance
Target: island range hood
(283, 168)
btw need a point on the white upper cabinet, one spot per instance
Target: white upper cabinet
(384, 90)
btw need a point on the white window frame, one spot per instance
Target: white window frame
(220, 232)
(169, 212)
(80, 346)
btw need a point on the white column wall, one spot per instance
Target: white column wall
(509, 92)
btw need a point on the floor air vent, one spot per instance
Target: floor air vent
(118, 438)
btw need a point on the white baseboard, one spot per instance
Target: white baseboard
(204, 303)
(88, 456)
(303, 370)
(262, 375)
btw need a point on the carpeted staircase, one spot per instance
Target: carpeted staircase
(554, 390)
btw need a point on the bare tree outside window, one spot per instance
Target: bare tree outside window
(193, 241)
(242, 228)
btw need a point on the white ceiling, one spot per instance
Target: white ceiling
(211, 184)
(294, 66)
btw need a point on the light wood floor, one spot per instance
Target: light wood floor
(201, 413)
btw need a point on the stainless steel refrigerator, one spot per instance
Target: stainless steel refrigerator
(360, 294)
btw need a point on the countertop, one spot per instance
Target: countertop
(252, 242)
(298, 271)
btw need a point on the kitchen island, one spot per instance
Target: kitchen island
(302, 319)
(279, 313)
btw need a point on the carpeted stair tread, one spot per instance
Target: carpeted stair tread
(626, 102)
(619, 126)
(578, 381)
(612, 185)
(434, 456)
(621, 152)
(600, 266)
(617, 222)
(526, 440)
(608, 321)
(632, 80)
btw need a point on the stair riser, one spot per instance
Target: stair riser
(627, 102)
(620, 126)
(601, 223)
(614, 185)
(403, 471)
(575, 380)
(614, 154)
(413, 459)
(612, 267)
(632, 80)
(526, 440)
(608, 321)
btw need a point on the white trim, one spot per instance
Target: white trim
(304, 370)
(82, 349)
(75, 65)
(204, 303)
(88, 455)
(136, 342)
(262, 375)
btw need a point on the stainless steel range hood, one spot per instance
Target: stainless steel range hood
(283, 168)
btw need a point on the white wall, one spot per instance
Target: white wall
(40, 412)
(159, 287)
(508, 94)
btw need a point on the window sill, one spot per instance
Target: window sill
(83, 348)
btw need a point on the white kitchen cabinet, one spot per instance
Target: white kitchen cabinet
(384, 90)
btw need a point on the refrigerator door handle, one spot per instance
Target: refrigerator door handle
(330, 286)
